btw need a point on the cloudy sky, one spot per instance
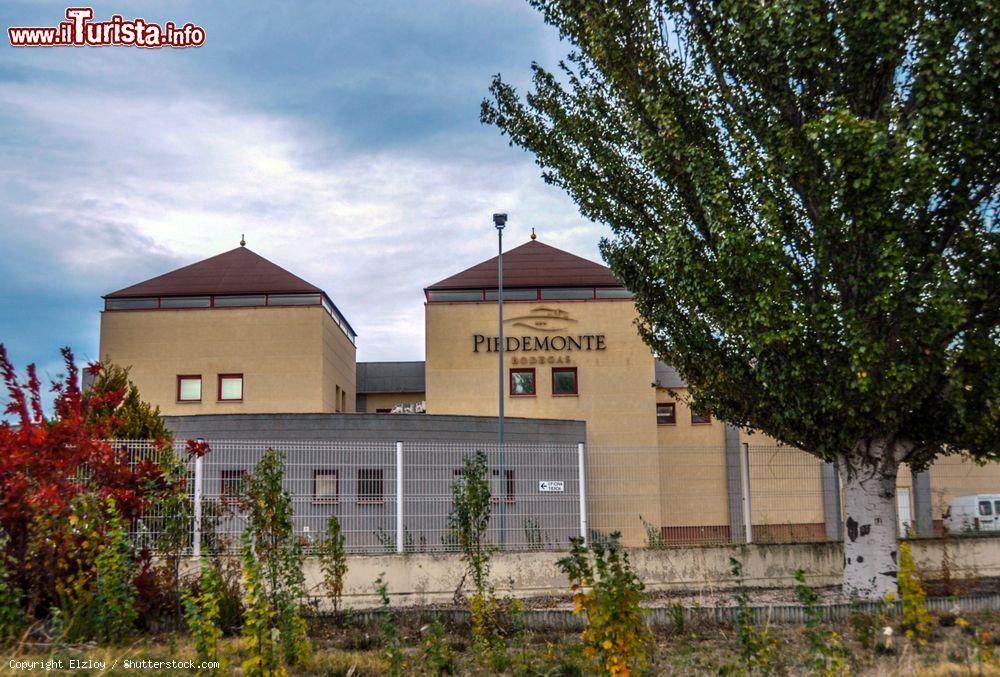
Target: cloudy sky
(341, 136)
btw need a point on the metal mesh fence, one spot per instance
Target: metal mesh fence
(654, 497)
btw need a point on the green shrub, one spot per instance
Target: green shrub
(390, 633)
(439, 659)
(114, 566)
(202, 611)
(12, 617)
(757, 645)
(827, 654)
(333, 561)
(916, 619)
(261, 655)
(277, 558)
(608, 591)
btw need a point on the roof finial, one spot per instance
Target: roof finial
(533, 236)
(243, 240)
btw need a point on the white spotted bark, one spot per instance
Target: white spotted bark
(870, 531)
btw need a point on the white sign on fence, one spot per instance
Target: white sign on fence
(550, 485)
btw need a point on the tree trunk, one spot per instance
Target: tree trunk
(870, 533)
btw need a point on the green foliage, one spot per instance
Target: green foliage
(804, 200)
(469, 518)
(202, 609)
(131, 418)
(609, 592)
(333, 561)
(12, 618)
(390, 633)
(439, 659)
(261, 653)
(676, 613)
(867, 627)
(114, 567)
(757, 645)
(916, 619)
(827, 655)
(278, 556)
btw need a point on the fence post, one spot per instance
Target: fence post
(745, 489)
(582, 481)
(399, 497)
(196, 527)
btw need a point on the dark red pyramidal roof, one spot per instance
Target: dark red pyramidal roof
(533, 264)
(238, 271)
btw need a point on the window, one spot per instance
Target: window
(513, 294)
(985, 509)
(698, 418)
(383, 411)
(585, 293)
(240, 301)
(522, 382)
(293, 300)
(613, 293)
(464, 295)
(343, 400)
(232, 484)
(508, 488)
(564, 381)
(189, 388)
(186, 302)
(326, 486)
(230, 387)
(371, 485)
(132, 304)
(336, 399)
(666, 413)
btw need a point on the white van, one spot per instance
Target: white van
(980, 512)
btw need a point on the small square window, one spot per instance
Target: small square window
(189, 388)
(232, 484)
(699, 418)
(522, 382)
(326, 486)
(666, 413)
(371, 485)
(564, 381)
(230, 387)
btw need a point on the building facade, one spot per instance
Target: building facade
(234, 333)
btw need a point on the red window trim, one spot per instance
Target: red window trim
(534, 381)
(326, 500)
(576, 382)
(230, 399)
(707, 421)
(666, 404)
(201, 387)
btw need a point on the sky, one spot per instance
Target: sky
(341, 137)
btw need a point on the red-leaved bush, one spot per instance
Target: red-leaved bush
(47, 461)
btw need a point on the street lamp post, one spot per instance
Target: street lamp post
(499, 221)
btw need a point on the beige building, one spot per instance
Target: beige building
(234, 333)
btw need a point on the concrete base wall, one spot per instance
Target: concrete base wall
(419, 579)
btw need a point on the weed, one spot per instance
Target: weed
(390, 633)
(439, 659)
(827, 654)
(610, 593)
(202, 613)
(916, 619)
(333, 561)
(654, 535)
(756, 646)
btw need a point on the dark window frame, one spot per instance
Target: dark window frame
(326, 500)
(190, 377)
(576, 381)
(702, 419)
(510, 486)
(242, 388)
(522, 370)
(364, 498)
(673, 413)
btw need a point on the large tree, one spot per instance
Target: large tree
(804, 197)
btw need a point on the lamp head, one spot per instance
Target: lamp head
(499, 220)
